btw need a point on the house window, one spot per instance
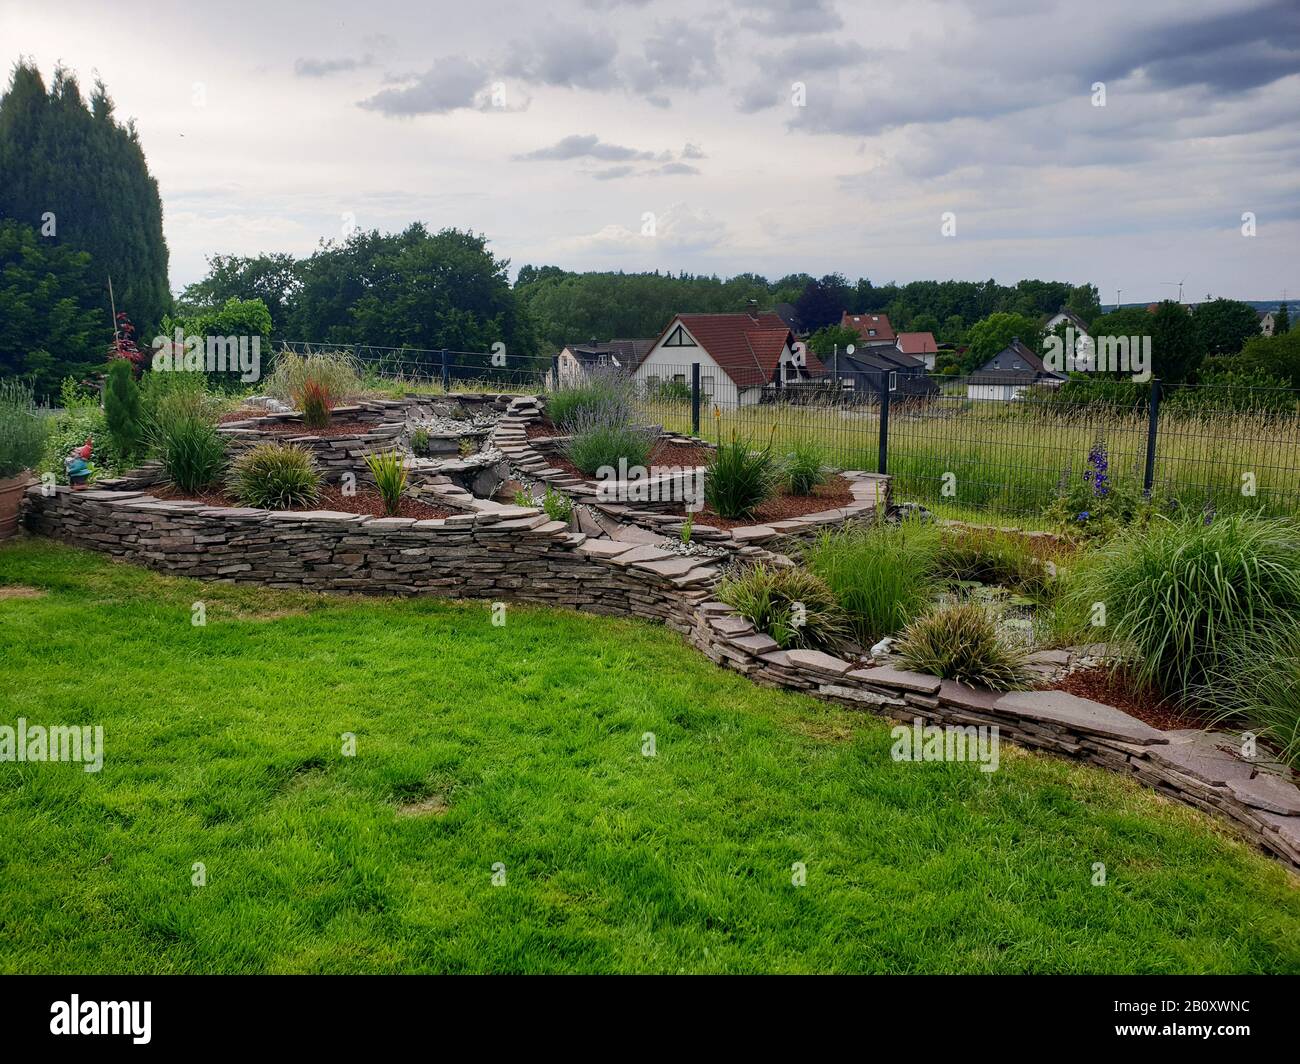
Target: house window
(847, 384)
(871, 332)
(706, 386)
(678, 338)
(893, 380)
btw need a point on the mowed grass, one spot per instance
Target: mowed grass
(522, 745)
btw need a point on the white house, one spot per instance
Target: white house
(578, 360)
(739, 355)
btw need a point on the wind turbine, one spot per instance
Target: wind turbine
(1180, 287)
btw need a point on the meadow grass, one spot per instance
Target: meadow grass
(1011, 457)
(522, 745)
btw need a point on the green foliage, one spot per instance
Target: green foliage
(1181, 593)
(740, 478)
(420, 441)
(389, 470)
(77, 163)
(268, 279)
(558, 506)
(1257, 684)
(50, 322)
(598, 444)
(805, 467)
(275, 476)
(122, 408)
(1176, 345)
(883, 576)
(185, 437)
(994, 333)
(825, 340)
(1227, 385)
(1224, 325)
(235, 318)
(316, 404)
(961, 642)
(524, 498)
(792, 605)
(1277, 356)
(991, 556)
(22, 429)
(688, 528)
(70, 430)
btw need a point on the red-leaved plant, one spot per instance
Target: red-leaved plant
(317, 403)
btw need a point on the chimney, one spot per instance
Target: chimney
(752, 309)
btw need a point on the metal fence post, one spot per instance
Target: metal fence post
(883, 461)
(555, 371)
(1153, 418)
(695, 398)
(446, 372)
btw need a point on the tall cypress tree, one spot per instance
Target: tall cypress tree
(79, 177)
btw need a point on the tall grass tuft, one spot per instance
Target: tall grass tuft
(600, 441)
(1257, 683)
(183, 431)
(961, 642)
(792, 605)
(805, 467)
(605, 394)
(331, 376)
(883, 575)
(22, 429)
(389, 471)
(1183, 593)
(739, 478)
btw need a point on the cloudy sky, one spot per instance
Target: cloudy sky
(763, 135)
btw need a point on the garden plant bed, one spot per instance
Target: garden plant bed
(1121, 690)
(365, 500)
(836, 493)
(665, 455)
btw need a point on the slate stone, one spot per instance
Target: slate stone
(1267, 791)
(1197, 754)
(1079, 714)
(979, 699)
(888, 676)
(815, 659)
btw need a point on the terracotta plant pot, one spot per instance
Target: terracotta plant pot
(11, 497)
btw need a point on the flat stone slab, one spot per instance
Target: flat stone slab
(643, 553)
(667, 567)
(756, 643)
(888, 676)
(858, 694)
(633, 534)
(1080, 714)
(605, 548)
(731, 625)
(315, 515)
(815, 659)
(1197, 753)
(1267, 791)
(962, 696)
(752, 532)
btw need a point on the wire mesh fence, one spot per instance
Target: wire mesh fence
(1009, 447)
(442, 368)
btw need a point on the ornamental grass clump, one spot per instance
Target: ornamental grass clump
(601, 441)
(1256, 685)
(605, 394)
(805, 467)
(183, 431)
(792, 605)
(1182, 594)
(961, 642)
(275, 476)
(389, 470)
(740, 478)
(882, 575)
(315, 383)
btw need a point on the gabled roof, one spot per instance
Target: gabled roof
(1001, 367)
(746, 346)
(917, 343)
(864, 323)
(1072, 318)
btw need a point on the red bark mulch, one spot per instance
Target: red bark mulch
(1121, 690)
(365, 501)
(335, 428)
(832, 495)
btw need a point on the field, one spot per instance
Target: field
(1009, 458)
(520, 749)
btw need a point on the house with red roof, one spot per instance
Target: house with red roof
(920, 345)
(874, 329)
(739, 356)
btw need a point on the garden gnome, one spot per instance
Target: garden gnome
(78, 465)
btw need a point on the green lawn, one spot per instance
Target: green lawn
(522, 745)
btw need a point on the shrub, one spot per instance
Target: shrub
(740, 479)
(389, 471)
(961, 642)
(335, 372)
(598, 443)
(524, 498)
(155, 387)
(558, 506)
(883, 576)
(605, 394)
(22, 429)
(1181, 593)
(792, 605)
(122, 408)
(275, 476)
(316, 403)
(420, 441)
(804, 468)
